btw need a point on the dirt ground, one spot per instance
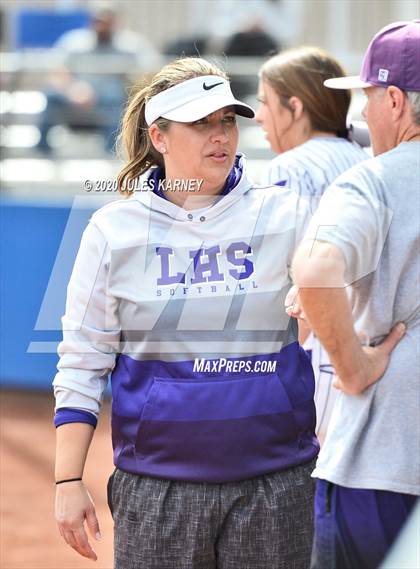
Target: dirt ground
(29, 537)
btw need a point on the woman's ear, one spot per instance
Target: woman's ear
(296, 106)
(158, 138)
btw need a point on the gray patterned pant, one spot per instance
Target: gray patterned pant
(261, 523)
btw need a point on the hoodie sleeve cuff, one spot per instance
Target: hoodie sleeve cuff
(67, 415)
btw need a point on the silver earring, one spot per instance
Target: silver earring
(163, 149)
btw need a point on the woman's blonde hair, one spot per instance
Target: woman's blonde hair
(134, 136)
(301, 73)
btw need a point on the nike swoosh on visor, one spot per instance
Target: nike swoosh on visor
(208, 87)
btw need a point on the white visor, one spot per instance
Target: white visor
(351, 82)
(194, 99)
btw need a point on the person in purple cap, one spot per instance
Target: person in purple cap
(366, 235)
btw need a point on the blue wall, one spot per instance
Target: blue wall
(38, 27)
(31, 235)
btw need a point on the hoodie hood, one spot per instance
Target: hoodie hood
(237, 183)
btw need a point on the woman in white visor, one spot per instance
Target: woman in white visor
(178, 290)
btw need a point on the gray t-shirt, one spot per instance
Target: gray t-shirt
(372, 213)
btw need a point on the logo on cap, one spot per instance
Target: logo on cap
(383, 75)
(208, 87)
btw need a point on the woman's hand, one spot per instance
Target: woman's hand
(74, 505)
(293, 306)
(294, 310)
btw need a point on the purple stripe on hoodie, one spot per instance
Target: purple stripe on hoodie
(171, 422)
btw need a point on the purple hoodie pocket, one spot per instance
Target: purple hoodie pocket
(200, 427)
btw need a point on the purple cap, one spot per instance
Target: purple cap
(392, 58)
